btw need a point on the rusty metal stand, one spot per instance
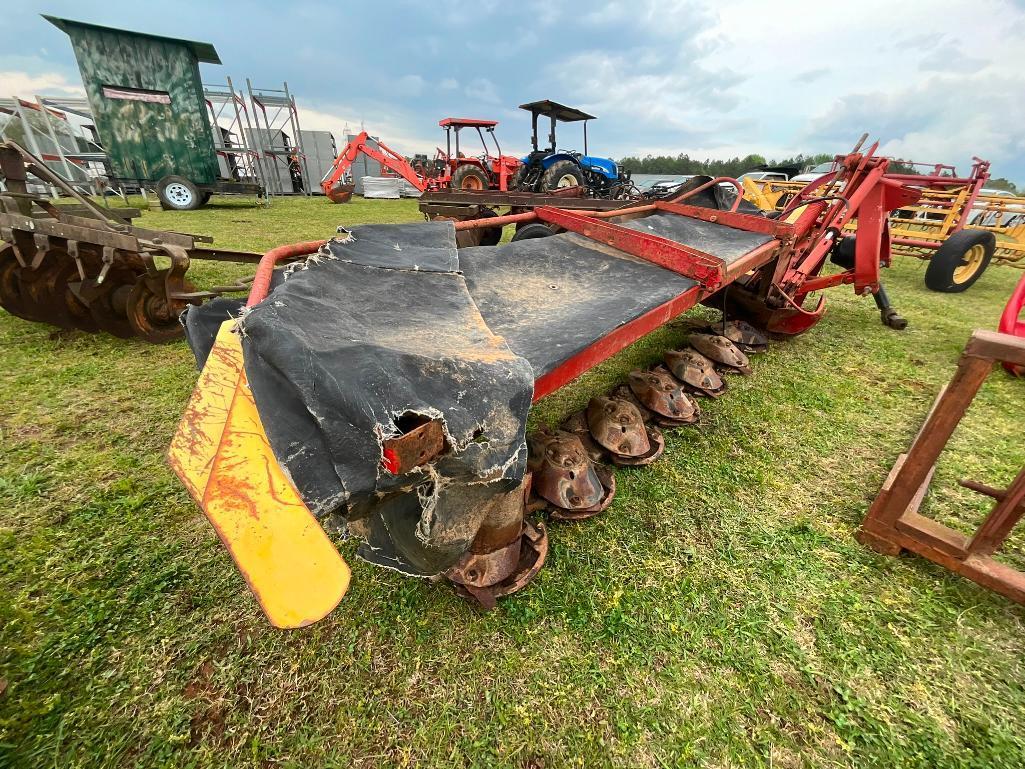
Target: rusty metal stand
(893, 522)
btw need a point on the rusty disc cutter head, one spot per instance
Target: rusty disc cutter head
(617, 426)
(563, 473)
(662, 395)
(721, 350)
(696, 371)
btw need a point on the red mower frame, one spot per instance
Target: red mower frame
(770, 284)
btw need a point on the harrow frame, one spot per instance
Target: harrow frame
(85, 266)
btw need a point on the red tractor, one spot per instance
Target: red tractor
(483, 172)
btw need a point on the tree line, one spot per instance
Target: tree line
(684, 164)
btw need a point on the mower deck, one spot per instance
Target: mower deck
(554, 298)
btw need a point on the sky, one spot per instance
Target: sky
(932, 80)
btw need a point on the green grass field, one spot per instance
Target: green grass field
(720, 614)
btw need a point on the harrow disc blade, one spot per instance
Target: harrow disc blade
(10, 284)
(41, 299)
(152, 315)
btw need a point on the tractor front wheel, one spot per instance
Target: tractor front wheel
(470, 177)
(960, 261)
(563, 174)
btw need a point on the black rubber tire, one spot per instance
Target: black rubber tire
(531, 231)
(204, 197)
(940, 274)
(516, 183)
(470, 177)
(558, 171)
(843, 253)
(184, 196)
(492, 235)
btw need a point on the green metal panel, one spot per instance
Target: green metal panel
(146, 140)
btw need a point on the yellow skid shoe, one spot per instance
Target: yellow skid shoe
(220, 452)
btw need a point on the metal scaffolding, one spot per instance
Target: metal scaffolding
(43, 128)
(278, 139)
(232, 126)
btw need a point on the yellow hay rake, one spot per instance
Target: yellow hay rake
(957, 225)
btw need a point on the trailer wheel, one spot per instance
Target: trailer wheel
(960, 261)
(204, 197)
(470, 177)
(177, 193)
(565, 173)
(531, 231)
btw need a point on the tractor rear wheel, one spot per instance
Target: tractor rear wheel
(178, 194)
(516, 182)
(470, 177)
(960, 261)
(563, 174)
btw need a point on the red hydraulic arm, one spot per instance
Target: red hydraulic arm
(383, 154)
(1011, 321)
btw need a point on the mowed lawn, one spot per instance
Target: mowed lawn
(721, 613)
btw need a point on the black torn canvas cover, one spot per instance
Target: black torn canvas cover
(373, 330)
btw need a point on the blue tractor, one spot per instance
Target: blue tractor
(549, 169)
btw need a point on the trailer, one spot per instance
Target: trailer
(147, 100)
(383, 388)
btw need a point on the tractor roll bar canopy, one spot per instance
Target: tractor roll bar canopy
(554, 111)
(466, 122)
(455, 124)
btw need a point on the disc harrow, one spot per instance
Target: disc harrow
(82, 266)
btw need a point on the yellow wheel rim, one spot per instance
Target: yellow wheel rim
(972, 262)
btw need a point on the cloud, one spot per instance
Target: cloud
(920, 122)
(25, 85)
(950, 58)
(448, 84)
(335, 118)
(629, 87)
(811, 75)
(482, 89)
(408, 85)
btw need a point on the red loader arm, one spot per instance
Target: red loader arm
(383, 154)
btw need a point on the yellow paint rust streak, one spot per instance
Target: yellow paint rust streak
(221, 454)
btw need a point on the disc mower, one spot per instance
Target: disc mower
(381, 387)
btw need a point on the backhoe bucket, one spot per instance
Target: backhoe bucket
(291, 565)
